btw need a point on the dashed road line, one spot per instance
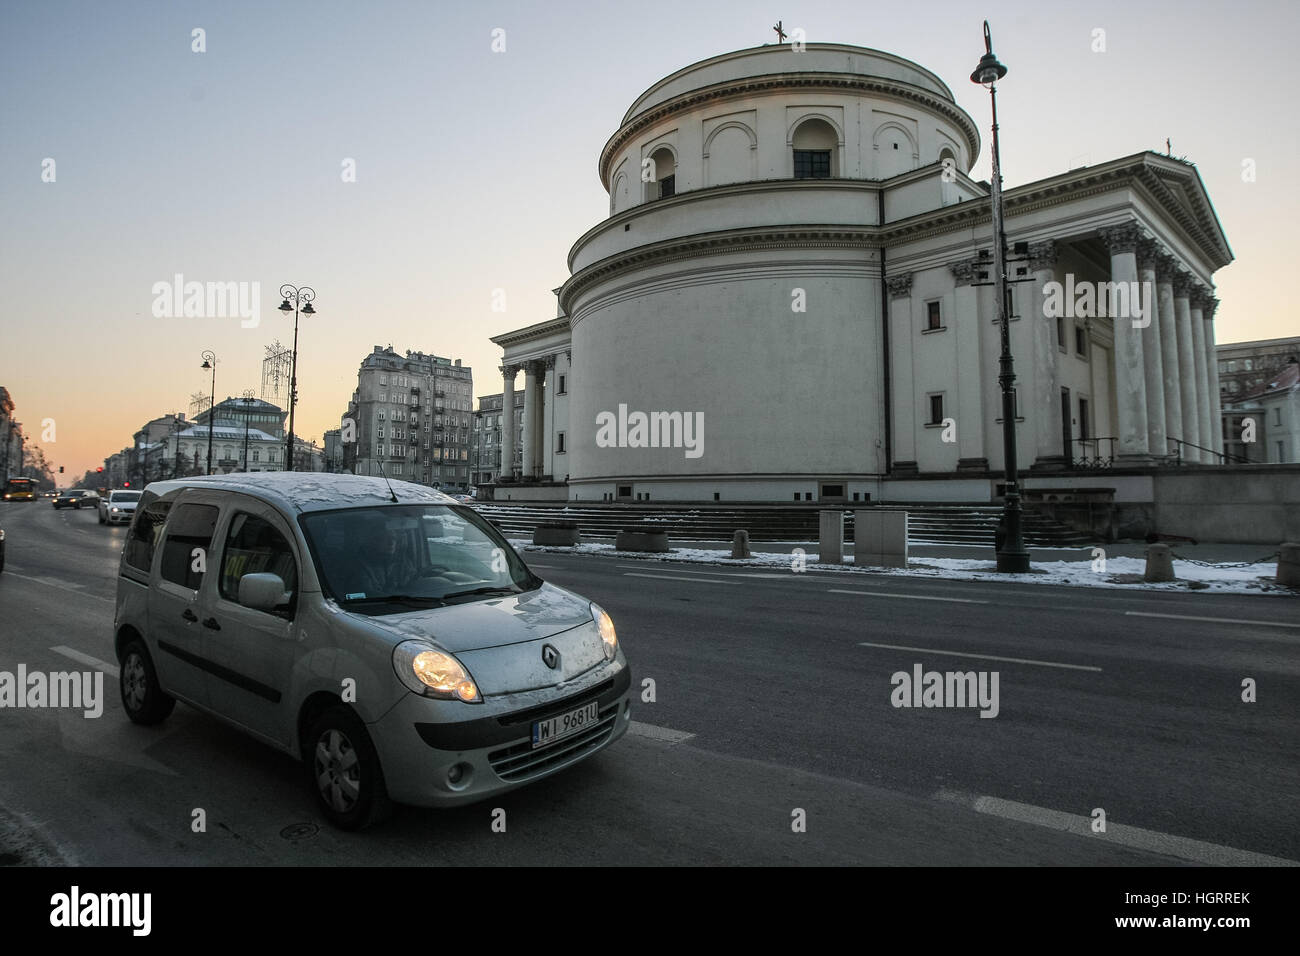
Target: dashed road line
(1213, 620)
(1138, 838)
(95, 662)
(909, 597)
(664, 734)
(665, 577)
(78, 589)
(986, 657)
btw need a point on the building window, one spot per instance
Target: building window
(1083, 418)
(936, 410)
(561, 390)
(812, 164)
(397, 468)
(1081, 341)
(933, 316)
(1060, 335)
(559, 443)
(257, 454)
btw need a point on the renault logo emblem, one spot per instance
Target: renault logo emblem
(550, 656)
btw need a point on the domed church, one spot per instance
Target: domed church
(791, 301)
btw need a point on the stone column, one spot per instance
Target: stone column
(1165, 267)
(546, 419)
(968, 405)
(1208, 307)
(1150, 320)
(1186, 365)
(508, 421)
(1130, 373)
(1204, 426)
(531, 398)
(901, 347)
(1044, 394)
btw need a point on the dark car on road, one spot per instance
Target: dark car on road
(76, 498)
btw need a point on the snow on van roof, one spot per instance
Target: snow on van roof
(310, 491)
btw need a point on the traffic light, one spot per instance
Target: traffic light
(99, 470)
(126, 484)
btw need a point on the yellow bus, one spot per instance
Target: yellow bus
(20, 489)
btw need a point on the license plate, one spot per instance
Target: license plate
(556, 728)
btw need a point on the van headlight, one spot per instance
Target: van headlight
(427, 671)
(605, 624)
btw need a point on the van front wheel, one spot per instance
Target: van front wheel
(345, 771)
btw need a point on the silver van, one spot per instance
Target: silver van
(385, 635)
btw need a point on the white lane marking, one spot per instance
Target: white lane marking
(1138, 838)
(64, 587)
(76, 655)
(986, 657)
(652, 564)
(1214, 620)
(665, 734)
(665, 577)
(534, 564)
(910, 597)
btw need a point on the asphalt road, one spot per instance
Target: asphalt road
(772, 695)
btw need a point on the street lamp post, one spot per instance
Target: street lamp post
(247, 401)
(1011, 553)
(210, 361)
(302, 299)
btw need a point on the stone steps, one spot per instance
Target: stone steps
(954, 524)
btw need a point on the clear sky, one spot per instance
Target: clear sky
(476, 170)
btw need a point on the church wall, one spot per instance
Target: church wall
(779, 390)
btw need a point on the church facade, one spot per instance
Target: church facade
(791, 300)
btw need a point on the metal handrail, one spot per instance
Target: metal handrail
(1224, 457)
(1096, 459)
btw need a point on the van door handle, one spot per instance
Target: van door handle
(212, 623)
(189, 615)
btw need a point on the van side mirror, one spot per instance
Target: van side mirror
(262, 591)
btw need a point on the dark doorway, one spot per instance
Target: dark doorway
(1065, 426)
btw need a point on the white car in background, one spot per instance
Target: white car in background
(118, 507)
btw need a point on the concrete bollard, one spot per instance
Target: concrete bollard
(880, 538)
(830, 537)
(740, 545)
(1160, 563)
(1288, 565)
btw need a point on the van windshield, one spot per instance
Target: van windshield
(387, 559)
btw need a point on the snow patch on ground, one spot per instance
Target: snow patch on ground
(1120, 572)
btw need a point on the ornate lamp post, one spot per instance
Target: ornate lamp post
(1012, 556)
(210, 361)
(302, 299)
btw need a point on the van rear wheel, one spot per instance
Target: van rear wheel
(143, 698)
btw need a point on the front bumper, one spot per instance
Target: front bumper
(493, 753)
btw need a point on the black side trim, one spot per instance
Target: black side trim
(225, 673)
(489, 731)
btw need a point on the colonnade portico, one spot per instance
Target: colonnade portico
(538, 418)
(1165, 369)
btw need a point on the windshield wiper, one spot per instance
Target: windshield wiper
(496, 589)
(414, 600)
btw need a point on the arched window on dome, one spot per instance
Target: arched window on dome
(665, 181)
(815, 145)
(945, 155)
